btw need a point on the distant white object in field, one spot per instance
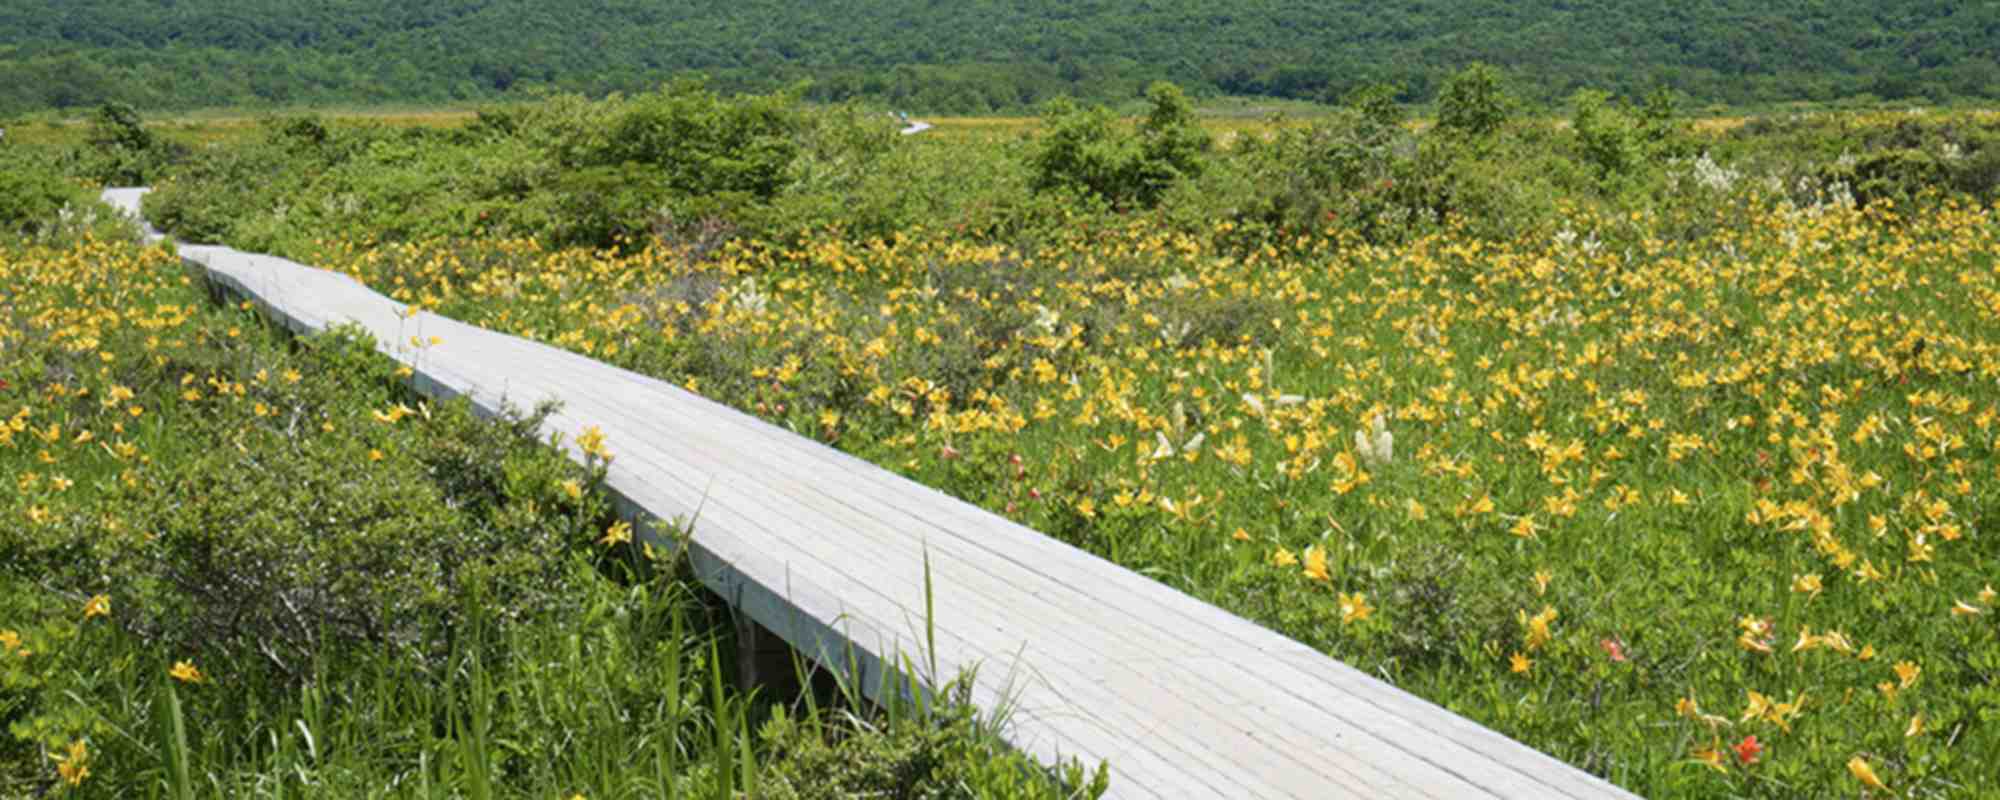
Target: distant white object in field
(915, 128)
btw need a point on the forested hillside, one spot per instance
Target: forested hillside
(977, 55)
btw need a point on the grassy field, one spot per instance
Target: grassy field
(1703, 512)
(1224, 117)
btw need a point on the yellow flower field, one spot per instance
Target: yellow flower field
(1701, 504)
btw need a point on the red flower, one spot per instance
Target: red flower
(1613, 648)
(1748, 749)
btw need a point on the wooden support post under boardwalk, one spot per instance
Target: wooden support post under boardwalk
(764, 661)
(834, 556)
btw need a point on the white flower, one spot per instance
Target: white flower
(1714, 176)
(1377, 445)
(749, 299)
(1047, 319)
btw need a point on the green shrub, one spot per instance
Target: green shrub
(120, 151)
(33, 191)
(1473, 104)
(1082, 151)
(935, 756)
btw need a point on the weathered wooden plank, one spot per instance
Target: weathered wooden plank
(832, 554)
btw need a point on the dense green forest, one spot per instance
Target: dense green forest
(980, 55)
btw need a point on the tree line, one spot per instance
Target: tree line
(981, 55)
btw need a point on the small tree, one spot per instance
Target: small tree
(1079, 150)
(1473, 104)
(120, 151)
(1172, 143)
(1610, 138)
(1376, 103)
(1082, 150)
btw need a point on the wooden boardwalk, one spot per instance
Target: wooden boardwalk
(829, 552)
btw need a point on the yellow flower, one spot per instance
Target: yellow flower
(1807, 584)
(1354, 608)
(1537, 627)
(1916, 726)
(1907, 673)
(1542, 578)
(572, 489)
(1865, 774)
(592, 443)
(1240, 535)
(1711, 756)
(1756, 635)
(1960, 608)
(1283, 558)
(1687, 707)
(99, 606)
(620, 532)
(1316, 563)
(1525, 527)
(185, 672)
(10, 641)
(1484, 505)
(1759, 706)
(74, 766)
(1520, 663)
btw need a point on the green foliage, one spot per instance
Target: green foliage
(1617, 140)
(1342, 170)
(119, 150)
(1608, 137)
(1084, 151)
(1473, 104)
(1913, 159)
(1376, 103)
(947, 755)
(975, 57)
(703, 145)
(671, 163)
(33, 191)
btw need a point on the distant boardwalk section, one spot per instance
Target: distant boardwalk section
(830, 553)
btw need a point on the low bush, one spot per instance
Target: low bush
(34, 192)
